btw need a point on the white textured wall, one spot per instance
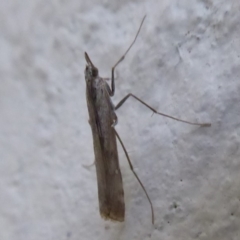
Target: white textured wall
(184, 63)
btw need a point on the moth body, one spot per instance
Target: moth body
(102, 118)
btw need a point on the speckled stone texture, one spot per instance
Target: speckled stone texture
(185, 63)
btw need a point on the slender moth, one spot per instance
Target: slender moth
(102, 119)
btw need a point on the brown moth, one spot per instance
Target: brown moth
(102, 119)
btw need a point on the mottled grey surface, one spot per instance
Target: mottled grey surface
(185, 63)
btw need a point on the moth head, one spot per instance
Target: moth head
(90, 70)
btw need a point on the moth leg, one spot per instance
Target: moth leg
(107, 78)
(135, 174)
(108, 89)
(155, 111)
(122, 58)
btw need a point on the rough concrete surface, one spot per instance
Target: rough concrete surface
(185, 63)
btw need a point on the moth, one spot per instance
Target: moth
(103, 119)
